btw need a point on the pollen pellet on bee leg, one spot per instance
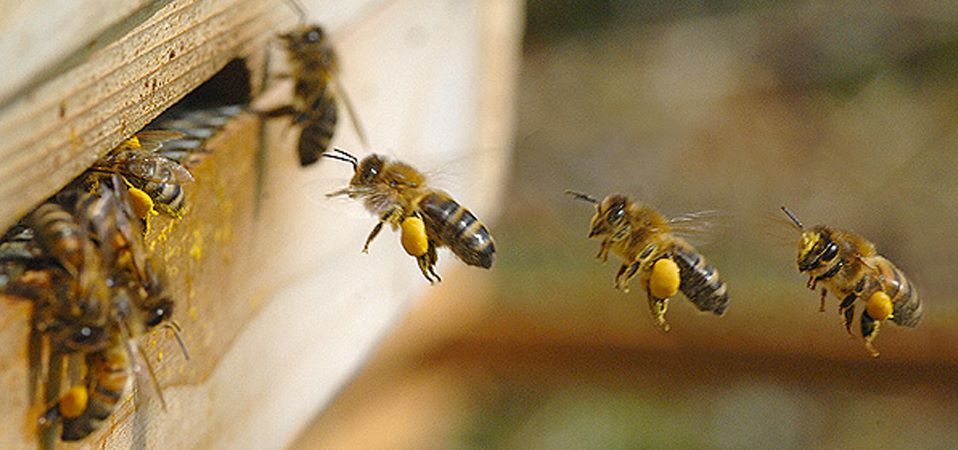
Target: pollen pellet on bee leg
(141, 202)
(665, 280)
(74, 402)
(879, 306)
(414, 239)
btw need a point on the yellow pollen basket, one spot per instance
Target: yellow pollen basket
(414, 239)
(74, 402)
(879, 306)
(665, 280)
(142, 203)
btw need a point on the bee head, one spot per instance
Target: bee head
(817, 248)
(368, 170)
(304, 36)
(158, 304)
(81, 338)
(609, 216)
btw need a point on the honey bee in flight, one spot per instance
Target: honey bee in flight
(429, 218)
(648, 245)
(850, 267)
(317, 90)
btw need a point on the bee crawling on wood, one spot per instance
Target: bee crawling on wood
(649, 247)
(152, 179)
(82, 263)
(428, 218)
(850, 267)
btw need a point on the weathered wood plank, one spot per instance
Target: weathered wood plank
(59, 129)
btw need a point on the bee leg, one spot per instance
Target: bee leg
(630, 275)
(847, 309)
(372, 235)
(35, 354)
(625, 274)
(427, 264)
(821, 305)
(811, 282)
(47, 422)
(393, 216)
(432, 260)
(603, 251)
(869, 332)
(618, 276)
(286, 110)
(658, 307)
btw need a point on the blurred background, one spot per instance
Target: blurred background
(842, 110)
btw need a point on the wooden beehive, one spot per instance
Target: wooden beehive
(278, 306)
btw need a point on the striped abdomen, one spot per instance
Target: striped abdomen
(58, 234)
(169, 196)
(700, 281)
(108, 375)
(904, 297)
(457, 228)
(318, 129)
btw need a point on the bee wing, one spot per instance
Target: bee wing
(697, 227)
(775, 228)
(351, 111)
(159, 136)
(151, 167)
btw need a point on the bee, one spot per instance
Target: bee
(83, 408)
(314, 67)
(850, 267)
(72, 298)
(106, 215)
(153, 179)
(648, 245)
(138, 302)
(429, 218)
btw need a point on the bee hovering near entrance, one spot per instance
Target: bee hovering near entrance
(664, 262)
(849, 266)
(317, 90)
(429, 218)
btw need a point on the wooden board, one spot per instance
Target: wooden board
(54, 131)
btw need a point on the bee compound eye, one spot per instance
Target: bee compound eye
(616, 214)
(831, 250)
(85, 335)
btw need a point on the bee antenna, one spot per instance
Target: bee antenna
(794, 219)
(175, 328)
(340, 155)
(584, 197)
(133, 349)
(340, 158)
(346, 154)
(298, 8)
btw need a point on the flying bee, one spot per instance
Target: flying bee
(429, 218)
(153, 179)
(317, 91)
(850, 267)
(648, 245)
